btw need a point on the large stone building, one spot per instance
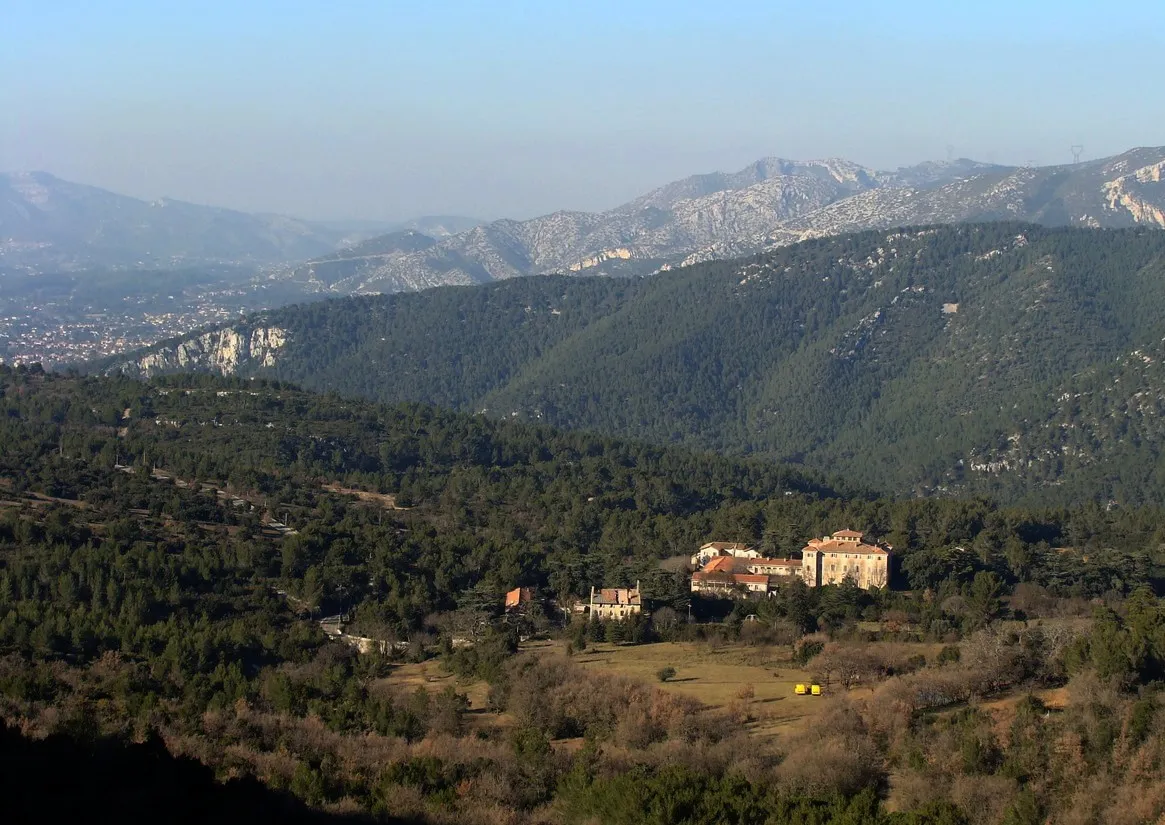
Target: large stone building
(843, 555)
(615, 602)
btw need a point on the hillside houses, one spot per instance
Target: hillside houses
(734, 569)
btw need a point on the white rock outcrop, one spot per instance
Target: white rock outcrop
(223, 351)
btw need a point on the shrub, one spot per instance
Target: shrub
(806, 649)
(948, 655)
(666, 674)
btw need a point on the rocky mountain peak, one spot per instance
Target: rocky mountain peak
(773, 202)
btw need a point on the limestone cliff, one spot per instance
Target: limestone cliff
(1128, 193)
(606, 255)
(224, 351)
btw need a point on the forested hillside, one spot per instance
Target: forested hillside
(166, 547)
(1003, 359)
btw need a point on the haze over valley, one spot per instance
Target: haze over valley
(85, 273)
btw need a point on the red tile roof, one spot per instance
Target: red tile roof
(519, 596)
(749, 578)
(721, 564)
(616, 595)
(832, 544)
(848, 547)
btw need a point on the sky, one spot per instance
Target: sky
(384, 110)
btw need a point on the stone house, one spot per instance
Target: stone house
(615, 602)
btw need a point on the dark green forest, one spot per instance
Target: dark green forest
(1005, 360)
(167, 549)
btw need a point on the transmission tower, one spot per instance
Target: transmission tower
(1077, 151)
(950, 153)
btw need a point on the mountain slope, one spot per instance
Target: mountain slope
(48, 221)
(1113, 192)
(1001, 358)
(677, 218)
(772, 202)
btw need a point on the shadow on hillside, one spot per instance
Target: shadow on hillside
(61, 779)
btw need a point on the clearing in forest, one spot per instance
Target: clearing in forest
(718, 676)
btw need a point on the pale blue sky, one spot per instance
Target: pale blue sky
(387, 109)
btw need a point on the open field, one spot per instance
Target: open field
(716, 676)
(432, 676)
(1002, 708)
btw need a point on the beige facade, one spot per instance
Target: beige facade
(845, 554)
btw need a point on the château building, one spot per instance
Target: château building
(845, 554)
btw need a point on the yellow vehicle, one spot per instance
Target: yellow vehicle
(799, 690)
(815, 690)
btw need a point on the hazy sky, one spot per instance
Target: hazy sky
(384, 110)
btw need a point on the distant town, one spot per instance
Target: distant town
(62, 330)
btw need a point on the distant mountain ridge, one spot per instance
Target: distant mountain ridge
(770, 203)
(48, 221)
(438, 226)
(999, 358)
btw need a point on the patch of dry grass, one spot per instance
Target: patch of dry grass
(432, 676)
(718, 676)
